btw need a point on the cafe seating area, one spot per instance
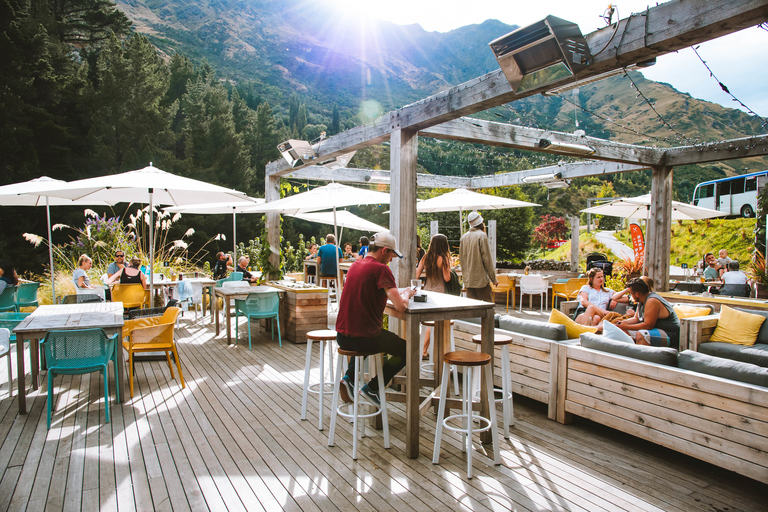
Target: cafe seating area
(232, 438)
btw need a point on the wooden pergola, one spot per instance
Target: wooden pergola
(657, 31)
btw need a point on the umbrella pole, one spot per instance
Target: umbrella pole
(339, 273)
(234, 236)
(461, 222)
(151, 245)
(50, 248)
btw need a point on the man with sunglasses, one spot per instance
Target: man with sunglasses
(116, 265)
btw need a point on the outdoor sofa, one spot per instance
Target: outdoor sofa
(698, 331)
(707, 407)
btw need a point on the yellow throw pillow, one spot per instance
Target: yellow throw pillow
(684, 311)
(737, 327)
(572, 329)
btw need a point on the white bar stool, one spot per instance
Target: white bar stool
(326, 338)
(429, 366)
(503, 341)
(377, 359)
(469, 361)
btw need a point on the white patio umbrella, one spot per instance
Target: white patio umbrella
(640, 207)
(149, 185)
(28, 193)
(333, 195)
(219, 208)
(462, 199)
(344, 219)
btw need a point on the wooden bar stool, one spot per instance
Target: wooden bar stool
(325, 338)
(428, 367)
(469, 361)
(355, 415)
(503, 341)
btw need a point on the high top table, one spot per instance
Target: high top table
(441, 308)
(66, 317)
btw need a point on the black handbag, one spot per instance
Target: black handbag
(453, 286)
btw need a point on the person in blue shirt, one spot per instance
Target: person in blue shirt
(326, 257)
(712, 271)
(363, 247)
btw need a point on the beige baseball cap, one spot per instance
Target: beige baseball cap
(385, 240)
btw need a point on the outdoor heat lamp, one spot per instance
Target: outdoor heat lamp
(340, 161)
(296, 152)
(542, 178)
(547, 51)
(573, 149)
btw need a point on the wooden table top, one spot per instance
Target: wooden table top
(73, 316)
(243, 290)
(462, 307)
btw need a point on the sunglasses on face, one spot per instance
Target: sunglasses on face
(119, 255)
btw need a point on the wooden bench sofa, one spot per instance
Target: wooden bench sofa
(717, 420)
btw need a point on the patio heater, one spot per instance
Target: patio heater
(296, 152)
(545, 52)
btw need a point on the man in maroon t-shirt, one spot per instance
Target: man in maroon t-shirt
(361, 313)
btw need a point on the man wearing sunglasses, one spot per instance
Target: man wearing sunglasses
(116, 265)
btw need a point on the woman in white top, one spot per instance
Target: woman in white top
(595, 300)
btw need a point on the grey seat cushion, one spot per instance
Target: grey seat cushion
(756, 354)
(554, 332)
(496, 318)
(725, 368)
(661, 355)
(762, 334)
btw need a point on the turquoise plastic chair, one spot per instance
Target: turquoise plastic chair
(79, 352)
(26, 295)
(10, 321)
(259, 305)
(8, 299)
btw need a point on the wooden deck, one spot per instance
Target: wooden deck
(233, 440)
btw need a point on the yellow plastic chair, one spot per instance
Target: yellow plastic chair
(568, 290)
(131, 295)
(504, 286)
(152, 334)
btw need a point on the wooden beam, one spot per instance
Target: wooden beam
(658, 236)
(568, 171)
(468, 129)
(662, 29)
(402, 196)
(717, 151)
(352, 175)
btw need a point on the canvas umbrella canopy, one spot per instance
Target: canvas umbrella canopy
(149, 185)
(640, 208)
(344, 219)
(333, 195)
(219, 209)
(28, 193)
(462, 199)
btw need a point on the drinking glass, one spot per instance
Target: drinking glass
(416, 285)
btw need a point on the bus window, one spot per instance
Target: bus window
(737, 186)
(707, 191)
(724, 188)
(750, 185)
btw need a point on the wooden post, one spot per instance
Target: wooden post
(402, 220)
(433, 229)
(272, 193)
(492, 240)
(574, 243)
(659, 230)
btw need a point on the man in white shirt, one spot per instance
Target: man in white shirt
(734, 281)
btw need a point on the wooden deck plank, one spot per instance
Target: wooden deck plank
(233, 440)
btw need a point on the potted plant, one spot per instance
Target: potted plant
(756, 272)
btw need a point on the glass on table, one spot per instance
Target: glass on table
(416, 285)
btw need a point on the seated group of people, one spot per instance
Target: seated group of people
(653, 321)
(325, 257)
(735, 282)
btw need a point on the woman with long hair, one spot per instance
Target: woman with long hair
(595, 300)
(130, 274)
(436, 263)
(8, 276)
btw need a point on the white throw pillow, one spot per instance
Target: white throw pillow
(612, 332)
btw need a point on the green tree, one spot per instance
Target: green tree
(335, 121)
(131, 127)
(264, 150)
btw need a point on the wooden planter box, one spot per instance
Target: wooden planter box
(302, 310)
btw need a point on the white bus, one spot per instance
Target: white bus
(736, 195)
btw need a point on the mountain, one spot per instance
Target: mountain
(331, 59)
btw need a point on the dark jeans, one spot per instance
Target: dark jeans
(386, 342)
(484, 294)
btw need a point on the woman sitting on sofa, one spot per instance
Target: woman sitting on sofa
(655, 322)
(595, 300)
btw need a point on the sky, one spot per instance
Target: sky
(736, 59)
